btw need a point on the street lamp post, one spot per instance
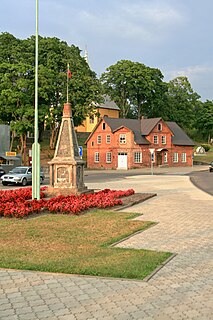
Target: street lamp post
(36, 145)
(152, 159)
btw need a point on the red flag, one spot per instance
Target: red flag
(69, 73)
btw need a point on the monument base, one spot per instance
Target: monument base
(51, 192)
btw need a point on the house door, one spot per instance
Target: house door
(122, 160)
(159, 158)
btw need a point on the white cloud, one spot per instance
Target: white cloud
(200, 77)
(191, 72)
(129, 20)
(154, 13)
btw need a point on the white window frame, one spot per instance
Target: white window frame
(183, 157)
(155, 139)
(108, 157)
(96, 157)
(98, 139)
(163, 139)
(138, 157)
(175, 157)
(122, 138)
(108, 139)
(165, 157)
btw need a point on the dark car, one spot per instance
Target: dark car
(19, 175)
(2, 171)
(211, 167)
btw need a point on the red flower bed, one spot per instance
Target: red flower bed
(15, 203)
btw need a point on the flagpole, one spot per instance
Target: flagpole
(36, 145)
(67, 84)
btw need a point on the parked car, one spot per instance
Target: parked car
(211, 167)
(19, 175)
(2, 171)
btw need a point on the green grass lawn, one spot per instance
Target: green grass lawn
(76, 245)
(205, 158)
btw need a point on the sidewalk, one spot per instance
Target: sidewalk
(182, 289)
(156, 170)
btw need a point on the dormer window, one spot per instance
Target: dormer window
(159, 127)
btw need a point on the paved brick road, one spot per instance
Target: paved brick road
(180, 290)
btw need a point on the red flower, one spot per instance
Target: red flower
(17, 203)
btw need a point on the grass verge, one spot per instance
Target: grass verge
(76, 245)
(205, 158)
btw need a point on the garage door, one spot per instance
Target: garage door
(122, 160)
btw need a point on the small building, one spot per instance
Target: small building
(106, 109)
(132, 143)
(4, 138)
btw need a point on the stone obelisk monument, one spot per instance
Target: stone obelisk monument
(67, 167)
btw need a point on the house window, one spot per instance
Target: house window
(91, 119)
(159, 127)
(183, 157)
(163, 139)
(108, 157)
(165, 157)
(138, 157)
(155, 139)
(92, 143)
(122, 138)
(98, 139)
(104, 126)
(175, 157)
(108, 138)
(97, 157)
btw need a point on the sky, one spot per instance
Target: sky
(172, 35)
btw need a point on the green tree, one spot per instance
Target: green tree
(204, 119)
(182, 102)
(17, 74)
(137, 89)
(16, 90)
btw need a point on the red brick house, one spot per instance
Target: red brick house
(131, 143)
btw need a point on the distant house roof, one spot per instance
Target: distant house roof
(148, 124)
(142, 128)
(108, 104)
(180, 138)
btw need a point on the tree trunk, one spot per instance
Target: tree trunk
(53, 137)
(23, 139)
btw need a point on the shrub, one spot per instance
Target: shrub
(207, 147)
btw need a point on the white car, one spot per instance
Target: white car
(19, 175)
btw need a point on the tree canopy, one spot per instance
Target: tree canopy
(17, 74)
(204, 119)
(182, 102)
(137, 89)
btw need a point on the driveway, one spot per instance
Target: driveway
(182, 289)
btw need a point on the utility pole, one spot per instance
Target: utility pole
(36, 145)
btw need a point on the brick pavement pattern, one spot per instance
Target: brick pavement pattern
(182, 289)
